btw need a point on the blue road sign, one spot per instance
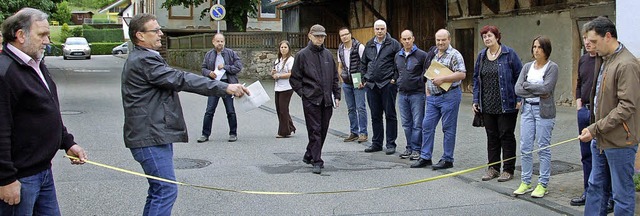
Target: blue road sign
(217, 12)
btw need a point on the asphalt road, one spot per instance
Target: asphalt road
(90, 98)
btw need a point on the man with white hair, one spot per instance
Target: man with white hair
(379, 75)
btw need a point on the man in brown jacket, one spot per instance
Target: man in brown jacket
(615, 121)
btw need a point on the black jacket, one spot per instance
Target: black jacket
(314, 75)
(152, 110)
(379, 68)
(31, 128)
(411, 70)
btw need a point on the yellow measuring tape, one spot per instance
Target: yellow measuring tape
(317, 192)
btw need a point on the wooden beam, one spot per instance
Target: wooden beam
(373, 10)
(493, 5)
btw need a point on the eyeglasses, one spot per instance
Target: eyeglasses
(157, 31)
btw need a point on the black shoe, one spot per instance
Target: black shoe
(442, 165)
(421, 163)
(317, 169)
(390, 151)
(307, 160)
(233, 138)
(610, 206)
(578, 201)
(373, 149)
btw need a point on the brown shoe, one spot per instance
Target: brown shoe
(362, 138)
(352, 137)
(505, 176)
(491, 174)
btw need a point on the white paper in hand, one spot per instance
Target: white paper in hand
(219, 73)
(257, 98)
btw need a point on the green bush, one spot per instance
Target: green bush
(103, 48)
(77, 31)
(636, 180)
(104, 35)
(65, 32)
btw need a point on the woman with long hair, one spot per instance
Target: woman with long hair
(281, 73)
(535, 85)
(495, 74)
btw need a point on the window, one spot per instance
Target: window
(268, 11)
(180, 12)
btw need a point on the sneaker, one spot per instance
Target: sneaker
(505, 176)
(352, 137)
(415, 155)
(406, 154)
(490, 174)
(539, 192)
(362, 138)
(523, 189)
(203, 139)
(233, 138)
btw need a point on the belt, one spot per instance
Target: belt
(532, 103)
(442, 92)
(588, 106)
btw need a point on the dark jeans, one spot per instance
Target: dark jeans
(585, 147)
(383, 100)
(158, 161)
(317, 118)
(37, 196)
(212, 103)
(501, 139)
(285, 124)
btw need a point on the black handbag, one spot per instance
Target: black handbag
(478, 121)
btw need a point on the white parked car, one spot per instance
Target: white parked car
(76, 47)
(121, 49)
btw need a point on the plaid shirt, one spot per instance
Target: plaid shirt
(454, 61)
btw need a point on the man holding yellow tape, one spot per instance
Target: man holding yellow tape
(153, 118)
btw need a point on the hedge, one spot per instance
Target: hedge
(103, 48)
(103, 35)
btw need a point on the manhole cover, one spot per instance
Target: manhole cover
(557, 167)
(70, 112)
(188, 163)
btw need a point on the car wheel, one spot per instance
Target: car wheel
(119, 52)
(88, 57)
(64, 57)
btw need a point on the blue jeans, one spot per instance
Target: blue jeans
(212, 104)
(357, 108)
(383, 100)
(411, 107)
(37, 196)
(585, 147)
(532, 128)
(158, 161)
(443, 106)
(613, 167)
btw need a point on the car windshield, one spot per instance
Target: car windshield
(76, 42)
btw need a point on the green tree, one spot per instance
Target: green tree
(237, 16)
(9, 7)
(63, 14)
(65, 32)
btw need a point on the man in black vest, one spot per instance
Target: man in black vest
(349, 53)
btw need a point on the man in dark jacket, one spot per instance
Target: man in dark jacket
(31, 128)
(410, 62)
(152, 113)
(314, 78)
(221, 64)
(380, 75)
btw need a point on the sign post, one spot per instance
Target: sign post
(217, 13)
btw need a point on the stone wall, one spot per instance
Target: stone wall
(257, 63)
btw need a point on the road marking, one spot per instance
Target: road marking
(90, 71)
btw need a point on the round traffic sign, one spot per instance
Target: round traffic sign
(217, 12)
